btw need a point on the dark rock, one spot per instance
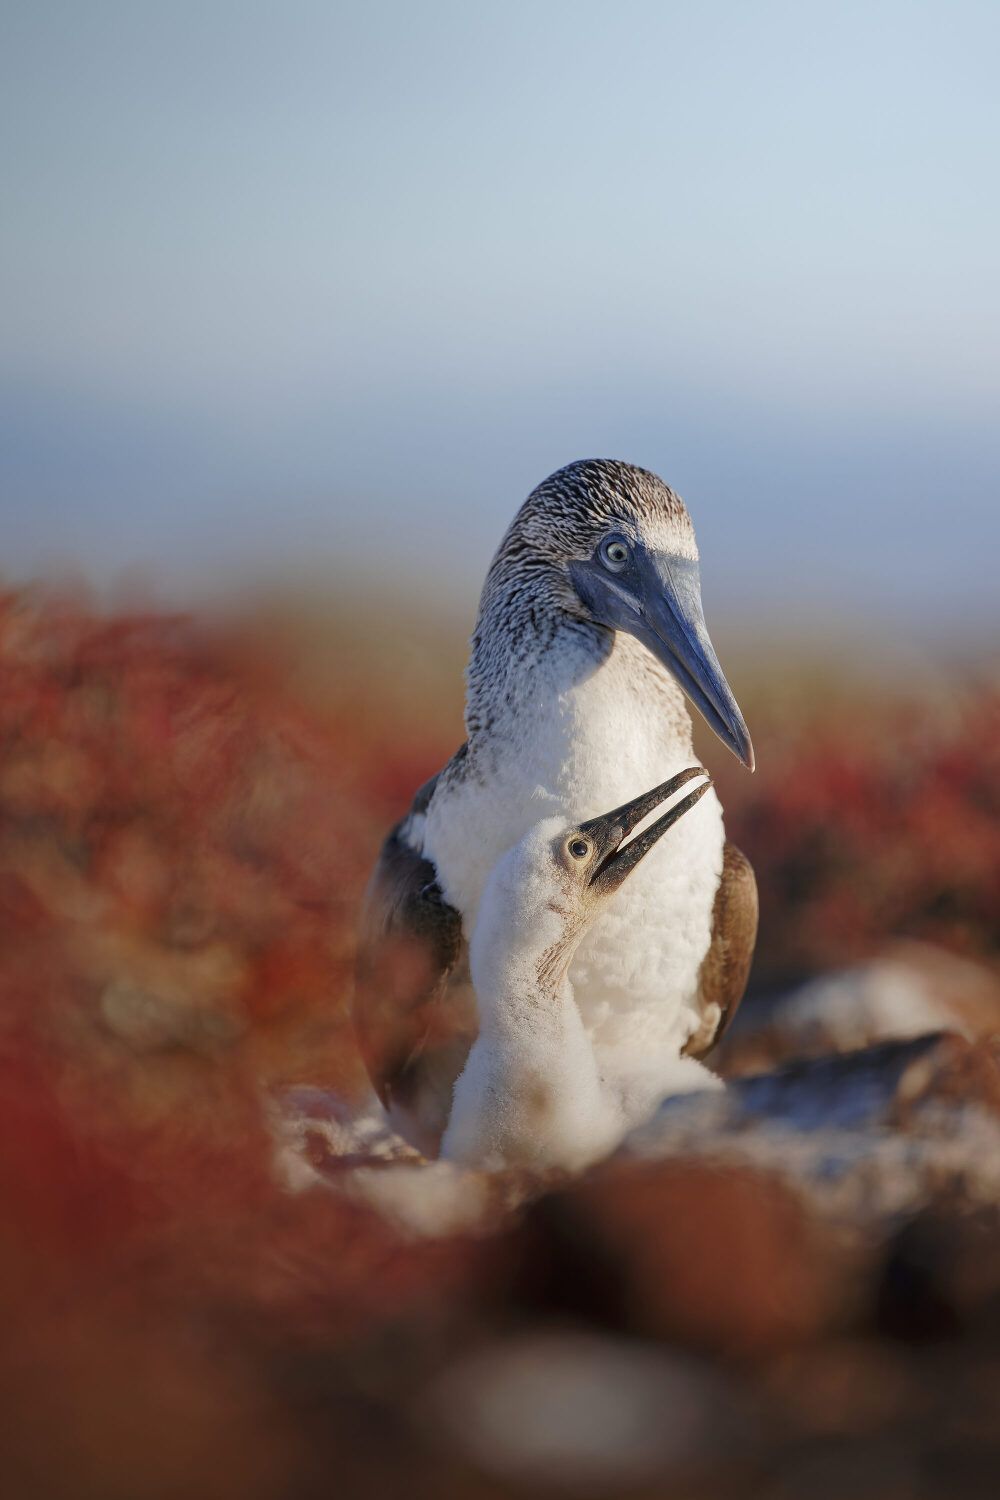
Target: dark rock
(727, 1259)
(941, 1277)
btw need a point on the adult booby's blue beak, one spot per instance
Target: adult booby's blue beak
(656, 596)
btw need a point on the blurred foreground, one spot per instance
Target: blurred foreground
(187, 817)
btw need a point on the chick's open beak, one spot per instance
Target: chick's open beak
(615, 860)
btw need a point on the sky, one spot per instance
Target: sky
(334, 286)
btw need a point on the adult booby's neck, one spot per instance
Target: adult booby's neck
(533, 649)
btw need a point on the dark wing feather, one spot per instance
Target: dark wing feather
(412, 996)
(725, 968)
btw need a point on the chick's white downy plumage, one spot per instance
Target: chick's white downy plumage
(533, 1094)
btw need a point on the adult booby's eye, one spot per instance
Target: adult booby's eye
(579, 848)
(614, 554)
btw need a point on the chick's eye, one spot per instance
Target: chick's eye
(579, 848)
(614, 555)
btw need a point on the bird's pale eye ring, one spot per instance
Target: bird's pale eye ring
(579, 848)
(614, 554)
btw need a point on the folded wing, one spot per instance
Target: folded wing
(725, 968)
(414, 1009)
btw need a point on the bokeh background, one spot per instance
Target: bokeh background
(298, 303)
(337, 285)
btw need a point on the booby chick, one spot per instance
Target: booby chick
(589, 639)
(531, 1094)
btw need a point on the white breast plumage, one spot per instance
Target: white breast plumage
(595, 744)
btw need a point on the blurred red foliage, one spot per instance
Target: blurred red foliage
(183, 844)
(880, 820)
(181, 853)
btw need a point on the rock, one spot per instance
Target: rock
(725, 1258)
(839, 1388)
(941, 1277)
(952, 1077)
(866, 1138)
(323, 1138)
(859, 1139)
(580, 1412)
(875, 1086)
(906, 991)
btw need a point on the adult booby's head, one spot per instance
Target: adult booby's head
(612, 547)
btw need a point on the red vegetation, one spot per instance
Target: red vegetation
(882, 820)
(182, 849)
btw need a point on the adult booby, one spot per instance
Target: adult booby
(531, 1093)
(589, 635)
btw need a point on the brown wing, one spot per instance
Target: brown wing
(725, 968)
(414, 1014)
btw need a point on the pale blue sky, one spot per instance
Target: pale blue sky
(342, 282)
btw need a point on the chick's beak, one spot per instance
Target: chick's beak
(615, 860)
